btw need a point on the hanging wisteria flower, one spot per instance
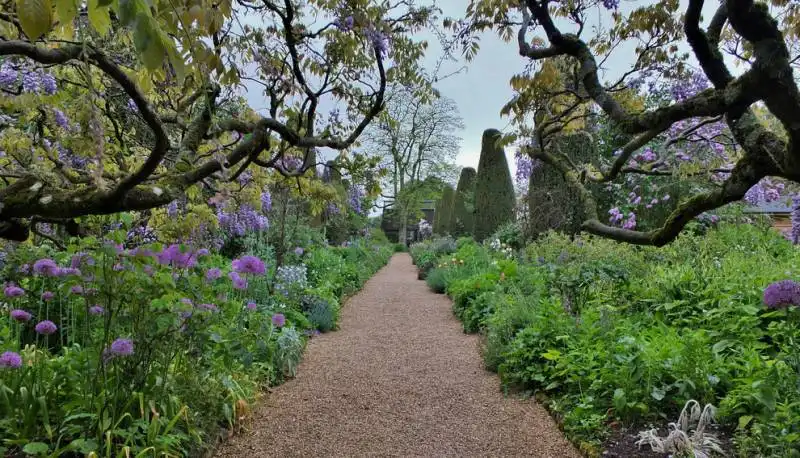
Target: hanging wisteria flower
(251, 306)
(77, 289)
(213, 274)
(249, 265)
(172, 209)
(355, 197)
(278, 320)
(61, 119)
(20, 315)
(121, 347)
(795, 234)
(10, 360)
(97, 310)
(782, 294)
(46, 327)
(24, 269)
(46, 267)
(13, 291)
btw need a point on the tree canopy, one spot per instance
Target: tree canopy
(121, 105)
(734, 127)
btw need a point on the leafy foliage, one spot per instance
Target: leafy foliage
(612, 334)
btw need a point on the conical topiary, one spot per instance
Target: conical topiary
(443, 211)
(464, 205)
(552, 203)
(494, 190)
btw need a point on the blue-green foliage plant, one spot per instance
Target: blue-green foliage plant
(613, 334)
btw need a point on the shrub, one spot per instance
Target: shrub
(443, 216)
(464, 205)
(436, 281)
(494, 190)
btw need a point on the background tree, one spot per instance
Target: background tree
(708, 127)
(464, 205)
(494, 190)
(416, 139)
(90, 127)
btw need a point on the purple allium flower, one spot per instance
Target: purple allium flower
(20, 315)
(278, 320)
(209, 307)
(121, 347)
(10, 360)
(97, 310)
(46, 327)
(77, 290)
(203, 252)
(13, 291)
(239, 282)
(46, 267)
(213, 274)
(299, 251)
(251, 305)
(249, 265)
(782, 294)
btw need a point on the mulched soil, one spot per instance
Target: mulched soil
(399, 378)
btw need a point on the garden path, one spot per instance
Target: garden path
(399, 378)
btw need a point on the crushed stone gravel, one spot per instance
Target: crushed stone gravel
(399, 378)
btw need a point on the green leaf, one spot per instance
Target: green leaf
(657, 394)
(98, 16)
(745, 420)
(149, 42)
(35, 17)
(66, 10)
(36, 448)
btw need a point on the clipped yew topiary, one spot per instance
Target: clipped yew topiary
(494, 190)
(443, 218)
(464, 205)
(552, 204)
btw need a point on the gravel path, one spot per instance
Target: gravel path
(399, 378)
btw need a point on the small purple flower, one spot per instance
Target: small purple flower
(299, 251)
(121, 347)
(118, 267)
(213, 274)
(20, 315)
(203, 252)
(24, 269)
(186, 301)
(77, 290)
(97, 310)
(46, 327)
(278, 320)
(13, 291)
(208, 307)
(10, 360)
(782, 294)
(46, 267)
(251, 306)
(148, 269)
(249, 265)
